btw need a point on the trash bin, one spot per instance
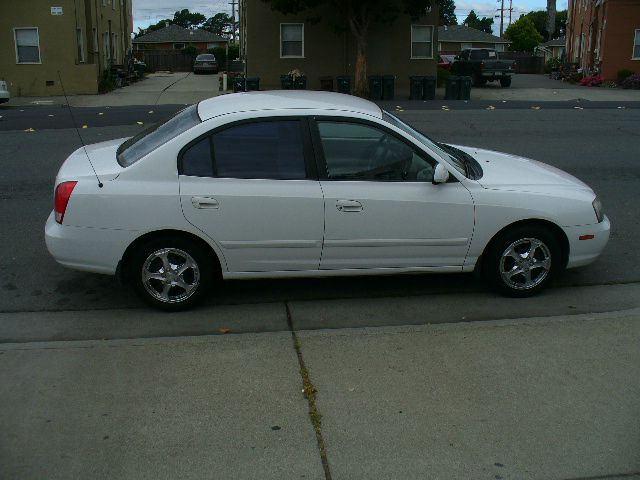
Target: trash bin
(452, 88)
(343, 83)
(465, 88)
(286, 82)
(326, 84)
(300, 82)
(429, 88)
(388, 87)
(252, 83)
(239, 84)
(416, 85)
(375, 87)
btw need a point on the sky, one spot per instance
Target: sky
(146, 12)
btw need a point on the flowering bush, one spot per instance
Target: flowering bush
(592, 81)
(632, 81)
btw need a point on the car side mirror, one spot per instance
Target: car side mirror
(440, 175)
(457, 57)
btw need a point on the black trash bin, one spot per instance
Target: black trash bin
(465, 88)
(286, 82)
(300, 82)
(452, 88)
(343, 83)
(388, 87)
(326, 84)
(416, 85)
(429, 88)
(252, 83)
(375, 87)
(239, 84)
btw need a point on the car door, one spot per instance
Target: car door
(381, 208)
(252, 187)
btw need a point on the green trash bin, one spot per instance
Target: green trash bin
(239, 84)
(416, 85)
(375, 87)
(286, 82)
(343, 83)
(452, 88)
(326, 84)
(465, 88)
(429, 88)
(252, 83)
(388, 87)
(300, 82)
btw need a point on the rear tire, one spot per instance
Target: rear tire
(171, 273)
(505, 82)
(522, 261)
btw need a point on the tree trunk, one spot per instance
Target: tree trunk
(551, 18)
(361, 84)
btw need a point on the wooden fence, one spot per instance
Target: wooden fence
(170, 60)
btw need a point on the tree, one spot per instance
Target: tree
(356, 16)
(539, 19)
(152, 28)
(523, 35)
(447, 9)
(186, 19)
(551, 18)
(483, 24)
(220, 24)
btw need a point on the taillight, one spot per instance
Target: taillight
(481, 65)
(62, 196)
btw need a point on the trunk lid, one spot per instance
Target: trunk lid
(103, 157)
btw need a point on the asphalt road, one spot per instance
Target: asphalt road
(599, 146)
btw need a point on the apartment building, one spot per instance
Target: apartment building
(75, 40)
(604, 35)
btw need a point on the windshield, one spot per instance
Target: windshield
(396, 122)
(151, 138)
(484, 55)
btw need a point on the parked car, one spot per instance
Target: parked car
(307, 184)
(5, 96)
(205, 63)
(483, 65)
(445, 61)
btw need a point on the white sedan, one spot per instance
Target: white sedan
(305, 184)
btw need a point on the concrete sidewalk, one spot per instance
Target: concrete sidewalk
(541, 398)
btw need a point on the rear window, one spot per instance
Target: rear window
(151, 138)
(205, 58)
(484, 55)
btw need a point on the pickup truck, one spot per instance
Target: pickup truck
(483, 65)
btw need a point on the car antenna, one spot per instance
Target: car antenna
(73, 119)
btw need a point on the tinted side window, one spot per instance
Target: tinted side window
(271, 149)
(360, 152)
(197, 161)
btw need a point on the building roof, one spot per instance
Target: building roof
(558, 42)
(275, 100)
(460, 33)
(176, 33)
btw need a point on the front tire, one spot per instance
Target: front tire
(522, 261)
(171, 273)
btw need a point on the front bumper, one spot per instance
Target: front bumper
(584, 252)
(95, 250)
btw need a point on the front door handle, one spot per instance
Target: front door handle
(204, 202)
(348, 206)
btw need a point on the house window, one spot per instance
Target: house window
(466, 46)
(80, 45)
(106, 55)
(178, 46)
(114, 45)
(291, 40)
(27, 45)
(499, 47)
(421, 41)
(95, 40)
(636, 45)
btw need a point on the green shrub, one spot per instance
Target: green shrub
(107, 82)
(551, 65)
(221, 54)
(443, 74)
(623, 75)
(190, 50)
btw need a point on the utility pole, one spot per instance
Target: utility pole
(501, 17)
(233, 20)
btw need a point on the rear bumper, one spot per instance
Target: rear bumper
(89, 249)
(4, 96)
(203, 68)
(497, 74)
(584, 252)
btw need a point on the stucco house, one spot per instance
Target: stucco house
(553, 48)
(40, 40)
(273, 44)
(452, 39)
(175, 37)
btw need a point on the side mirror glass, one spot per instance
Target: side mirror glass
(440, 175)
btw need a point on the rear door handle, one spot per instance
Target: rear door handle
(205, 202)
(348, 206)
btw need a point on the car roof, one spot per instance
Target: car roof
(285, 100)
